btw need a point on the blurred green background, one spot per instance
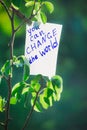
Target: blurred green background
(70, 113)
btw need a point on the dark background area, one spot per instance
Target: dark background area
(70, 113)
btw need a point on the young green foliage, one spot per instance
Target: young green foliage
(39, 91)
(6, 68)
(13, 100)
(38, 9)
(45, 95)
(2, 104)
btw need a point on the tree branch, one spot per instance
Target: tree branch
(5, 7)
(32, 109)
(9, 81)
(26, 20)
(33, 8)
(30, 113)
(8, 104)
(18, 13)
(13, 12)
(12, 37)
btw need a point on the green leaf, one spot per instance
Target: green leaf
(36, 87)
(49, 85)
(49, 92)
(6, 65)
(43, 17)
(51, 100)
(14, 58)
(34, 94)
(17, 89)
(57, 81)
(58, 93)
(6, 69)
(31, 89)
(37, 106)
(26, 72)
(25, 90)
(43, 102)
(46, 99)
(49, 6)
(18, 61)
(54, 97)
(2, 104)
(37, 6)
(23, 58)
(36, 80)
(29, 3)
(14, 6)
(13, 100)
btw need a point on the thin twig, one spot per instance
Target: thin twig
(8, 103)
(28, 20)
(13, 36)
(9, 80)
(30, 113)
(33, 8)
(18, 13)
(21, 25)
(5, 77)
(33, 15)
(5, 7)
(32, 109)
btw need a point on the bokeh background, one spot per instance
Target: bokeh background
(70, 113)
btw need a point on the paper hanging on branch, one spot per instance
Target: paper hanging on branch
(41, 47)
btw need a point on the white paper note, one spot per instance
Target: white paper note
(41, 48)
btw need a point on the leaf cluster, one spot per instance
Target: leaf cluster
(42, 97)
(35, 9)
(43, 91)
(39, 91)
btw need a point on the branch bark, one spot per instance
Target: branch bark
(9, 81)
(8, 104)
